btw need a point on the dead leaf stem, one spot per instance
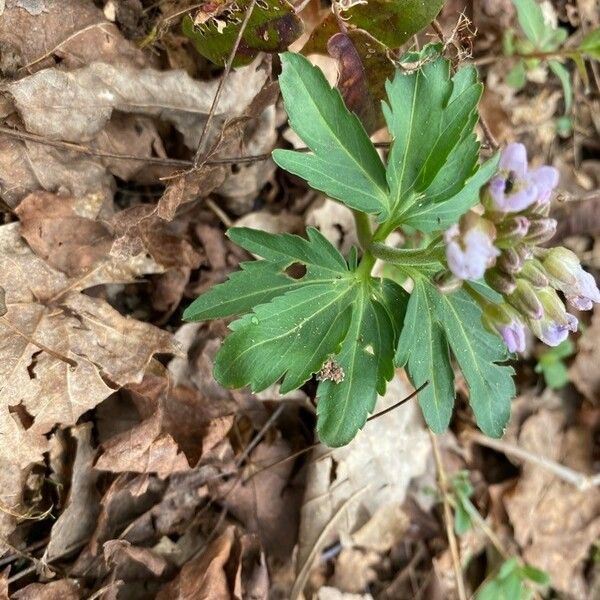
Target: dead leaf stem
(448, 519)
(581, 481)
(199, 154)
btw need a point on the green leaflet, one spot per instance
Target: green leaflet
(431, 118)
(259, 282)
(436, 324)
(511, 582)
(366, 358)
(344, 163)
(531, 20)
(290, 337)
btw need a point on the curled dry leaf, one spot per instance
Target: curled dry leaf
(124, 558)
(77, 521)
(76, 105)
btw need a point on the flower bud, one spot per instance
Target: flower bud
(512, 229)
(533, 272)
(562, 266)
(553, 328)
(501, 282)
(446, 282)
(541, 230)
(505, 322)
(524, 299)
(510, 261)
(568, 276)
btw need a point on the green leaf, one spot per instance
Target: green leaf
(510, 582)
(344, 163)
(391, 22)
(517, 76)
(556, 374)
(590, 44)
(565, 79)
(436, 324)
(290, 337)
(531, 20)
(261, 281)
(367, 360)
(272, 27)
(431, 117)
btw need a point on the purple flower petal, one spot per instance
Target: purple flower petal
(513, 336)
(514, 159)
(553, 333)
(470, 259)
(545, 180)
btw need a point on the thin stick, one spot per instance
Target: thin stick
(228, 65)
(581, 481)
(448, 520)
(395, 406)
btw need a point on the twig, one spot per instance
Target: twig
(228, 65)
(448, 520)
(152, 160)
(581, 481)
(395, 406)
(488, 133)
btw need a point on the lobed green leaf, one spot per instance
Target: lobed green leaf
(437, 324)
(344, 163)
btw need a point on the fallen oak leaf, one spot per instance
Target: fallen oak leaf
(93, 348)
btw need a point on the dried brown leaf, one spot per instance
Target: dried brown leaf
(555, 523)
(584, 372)
(27, 166)
(76, 105)
(64, 589)
(61, 352)
(206, 577)
(267, 504)
(382, 459)
(77, 521)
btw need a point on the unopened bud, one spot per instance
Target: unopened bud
(534, 272)
(525, 300)
(541, 230)
(510, 261)
(446, 282)
(512, 229)
(562, 265)
(502, 282)
(504, 321)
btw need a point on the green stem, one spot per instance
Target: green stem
(363, 229)
(407, 258)
(366, 265)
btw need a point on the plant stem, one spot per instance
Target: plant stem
(363, 229)
(366, 265)
(403, 257)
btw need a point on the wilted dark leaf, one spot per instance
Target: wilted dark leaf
(272, 27)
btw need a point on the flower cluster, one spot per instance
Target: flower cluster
(503, 246)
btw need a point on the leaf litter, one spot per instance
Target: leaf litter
(126, 471)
